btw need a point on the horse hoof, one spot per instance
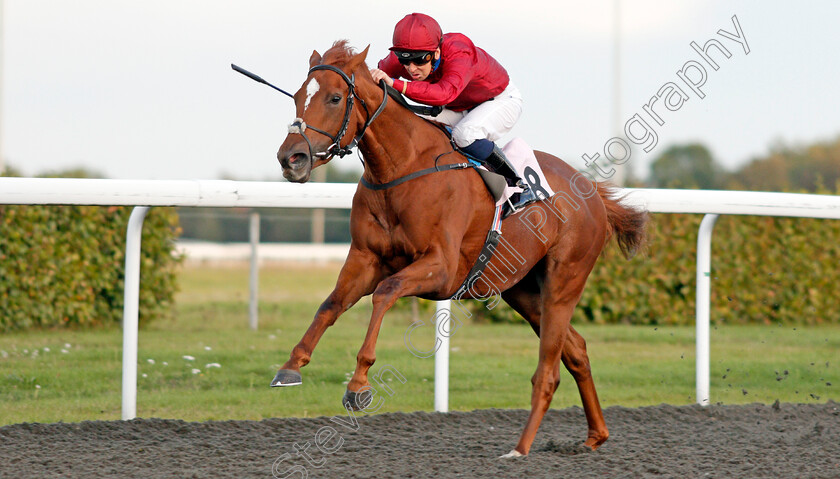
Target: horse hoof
(286, 377)
(358, 400)
(512, 454)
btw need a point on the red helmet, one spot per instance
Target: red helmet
(417, 32)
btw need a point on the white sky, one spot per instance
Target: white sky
(144, 89)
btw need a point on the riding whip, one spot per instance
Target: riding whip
(257, 78)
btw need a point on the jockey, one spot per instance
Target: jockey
(481, 103)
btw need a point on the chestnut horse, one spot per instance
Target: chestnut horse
(422, 237)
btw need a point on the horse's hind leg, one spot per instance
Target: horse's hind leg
(577, 362)
(525, 298)
(554, 328)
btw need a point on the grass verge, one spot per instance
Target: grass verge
(74, 375)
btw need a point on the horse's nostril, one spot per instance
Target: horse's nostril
(298, 158)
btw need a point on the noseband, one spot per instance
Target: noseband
(298, 126)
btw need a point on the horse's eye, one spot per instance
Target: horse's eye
(335, 99)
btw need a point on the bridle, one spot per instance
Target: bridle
(298, 126)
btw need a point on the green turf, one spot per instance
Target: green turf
(66, 375)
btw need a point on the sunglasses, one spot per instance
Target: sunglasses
(417, 58)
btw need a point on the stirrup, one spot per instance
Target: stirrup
(526, 197)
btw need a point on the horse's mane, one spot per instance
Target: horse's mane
(338, 54)
(341, 52)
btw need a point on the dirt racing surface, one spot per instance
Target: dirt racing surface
(780, 441)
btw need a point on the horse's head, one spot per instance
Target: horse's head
(327, 121)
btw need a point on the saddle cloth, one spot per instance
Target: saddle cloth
(521, 156)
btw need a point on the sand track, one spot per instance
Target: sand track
(790, 440)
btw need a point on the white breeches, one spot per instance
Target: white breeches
(490, 120)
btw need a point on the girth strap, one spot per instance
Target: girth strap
(484, 257)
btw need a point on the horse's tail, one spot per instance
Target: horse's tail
(627, 223)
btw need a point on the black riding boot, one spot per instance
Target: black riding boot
(499, 162)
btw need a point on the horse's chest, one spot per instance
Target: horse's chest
(397, 245)
(393, 241)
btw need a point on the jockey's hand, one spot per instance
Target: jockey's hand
(378, 74)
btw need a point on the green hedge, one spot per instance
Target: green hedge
(64, 265)
(764, 270)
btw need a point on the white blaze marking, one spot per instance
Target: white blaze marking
(311, 89)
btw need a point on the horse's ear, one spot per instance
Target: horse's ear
(315, 59)
(357, 59)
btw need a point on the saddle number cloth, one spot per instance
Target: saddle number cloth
(521, 156)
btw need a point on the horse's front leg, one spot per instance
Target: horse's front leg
(358, 277)
(426, 275)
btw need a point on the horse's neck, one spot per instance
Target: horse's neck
(396, 145)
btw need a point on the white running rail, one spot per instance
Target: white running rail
(221, 193)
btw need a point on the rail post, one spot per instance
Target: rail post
(443, 319)
(131, 311)
(253, 308)
(702, 306)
